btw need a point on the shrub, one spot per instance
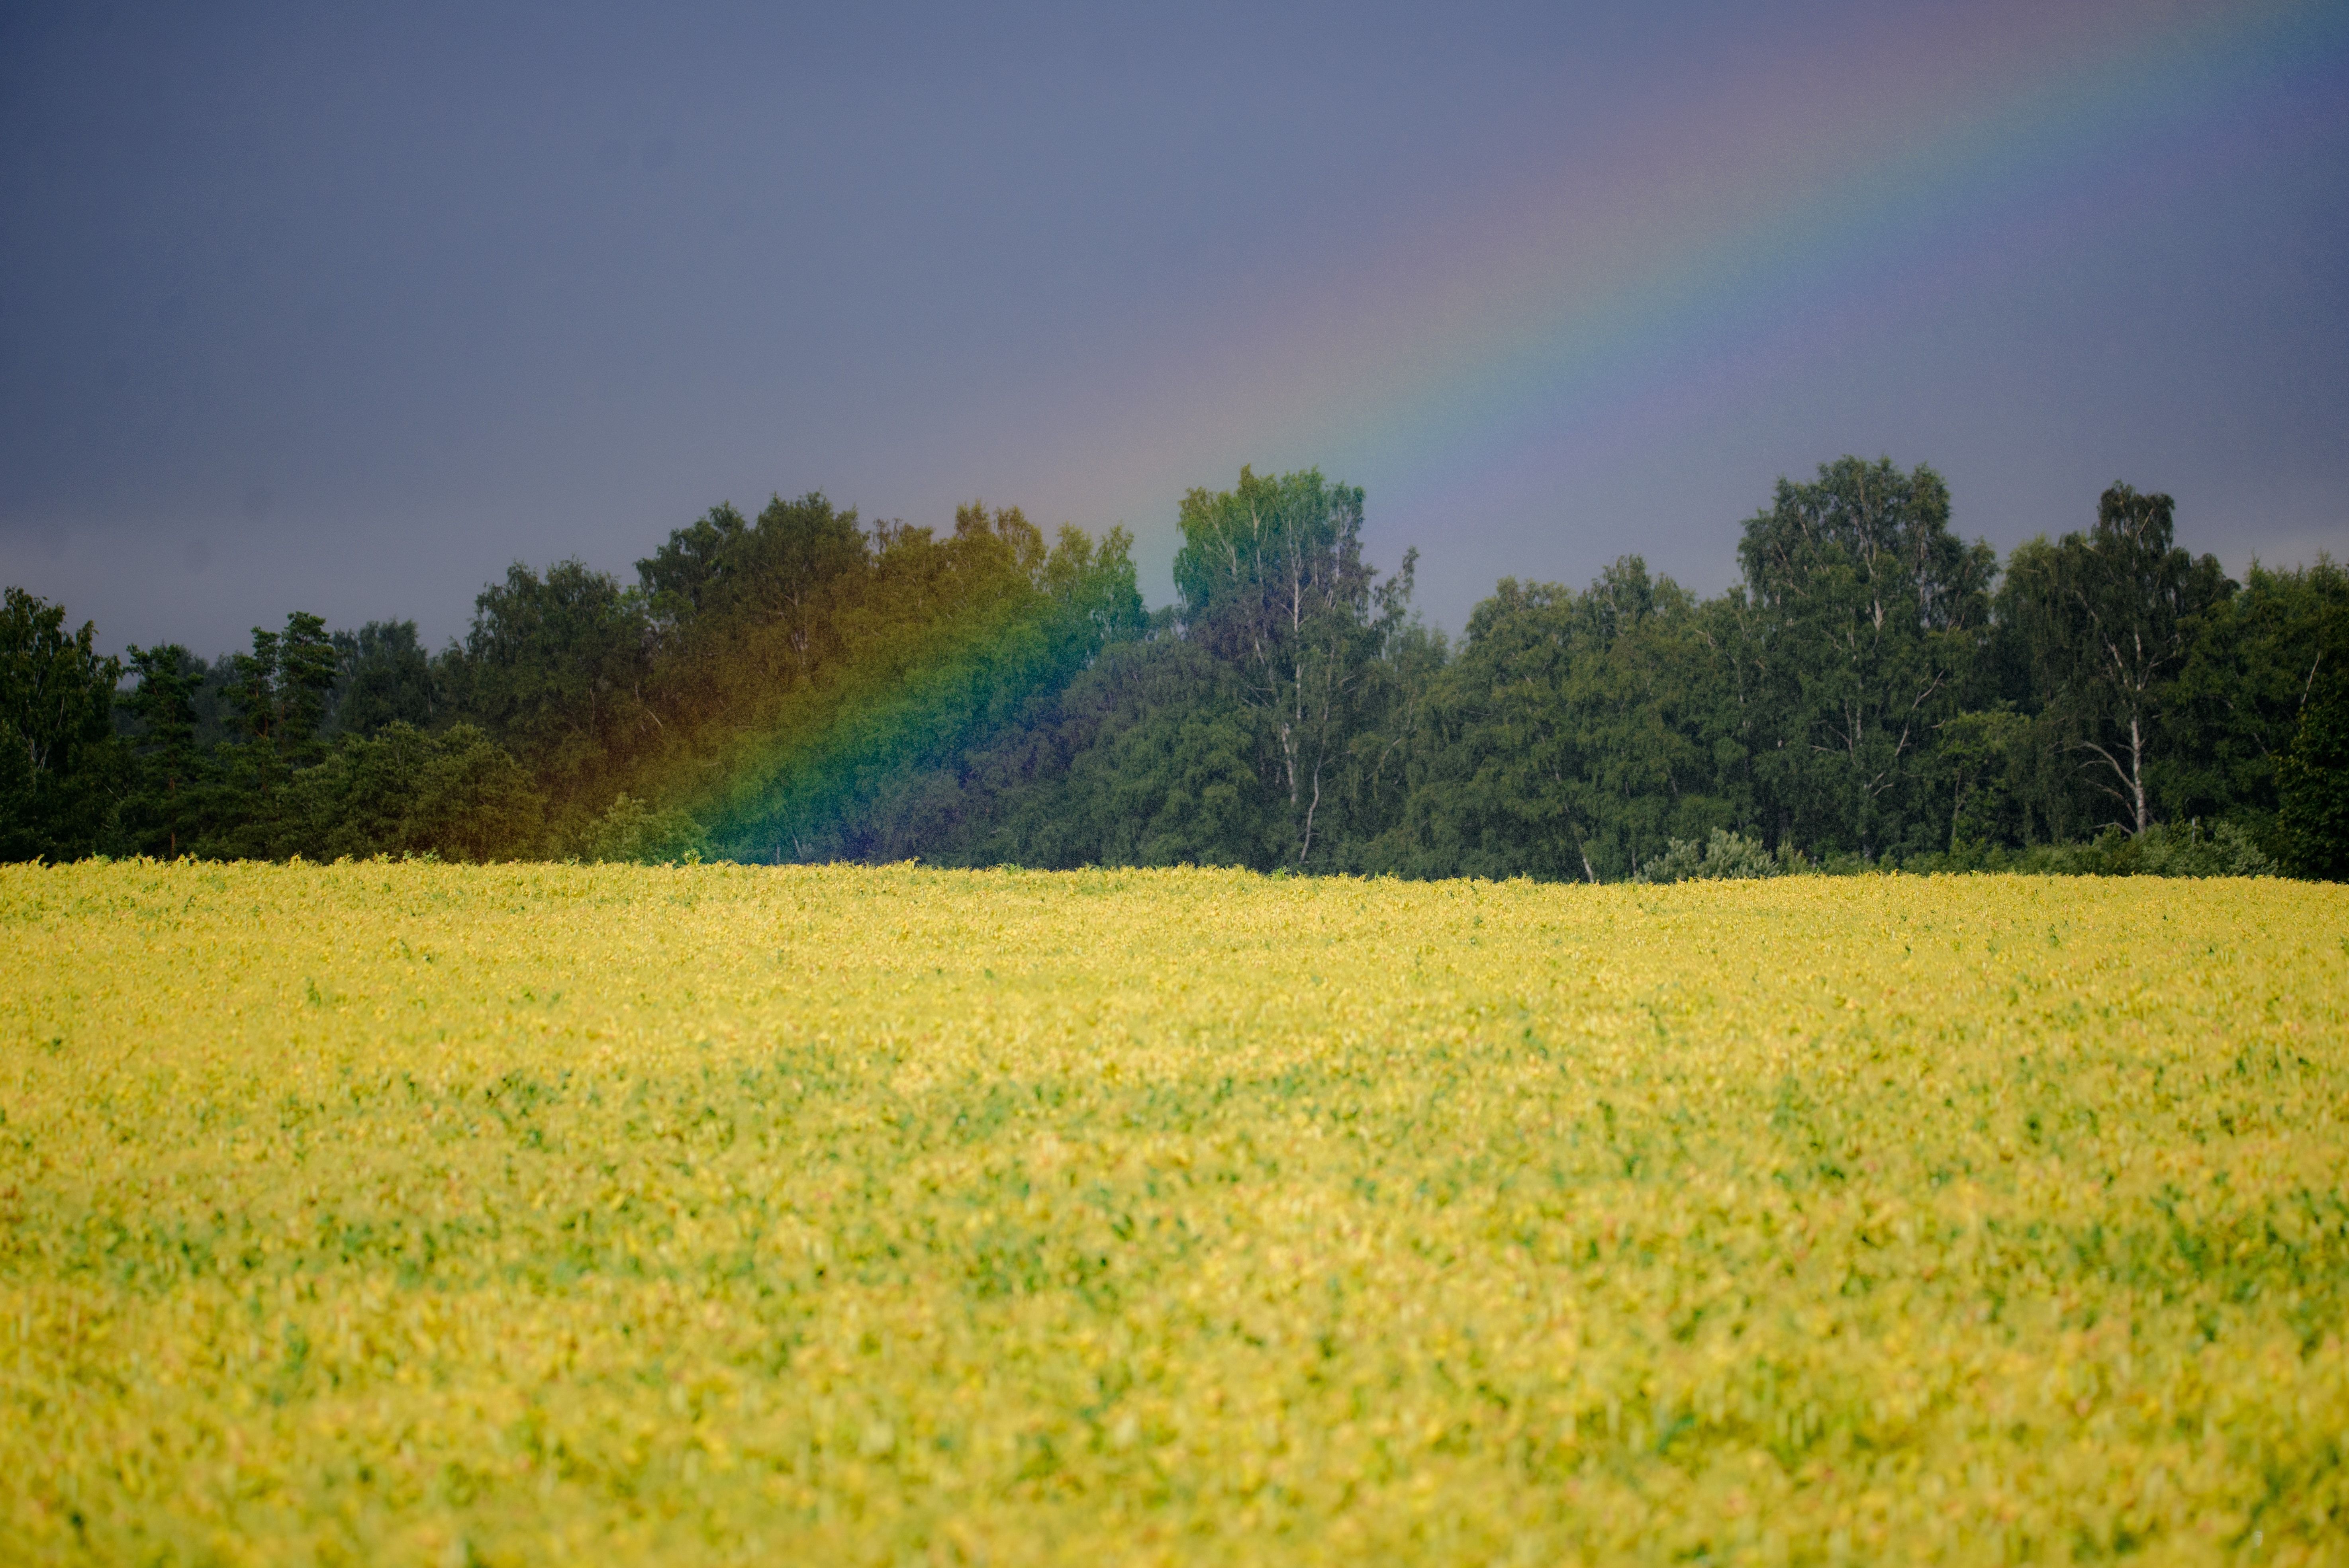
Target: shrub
(1725, 857)
(631, 830)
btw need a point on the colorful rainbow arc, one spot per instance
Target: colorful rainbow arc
(1443, 360)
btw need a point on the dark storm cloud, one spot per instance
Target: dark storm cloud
(346, 312)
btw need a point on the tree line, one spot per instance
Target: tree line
(1874, 692)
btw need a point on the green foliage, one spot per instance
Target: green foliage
(931, 651)
(164, 811)
(1177, 782)
(382, 676)
(1161, 763)
(1724, 857)
(2186, 850)
(470, 800)
(2314, 785)
(1272, 582)
(554, 668)
(1977, 764)
(2177, 850)
(455, 794)
(281, 690)
(58, 760)
(634, 832)
(2260, 656)
(774, 573)
(276, 788)
(276, 699)
(1861, 619)
(1570, 738)
(2108, 618)
(798, 686)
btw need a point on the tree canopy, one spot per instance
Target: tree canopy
(1877, 690)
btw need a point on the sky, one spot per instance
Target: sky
(345, 313)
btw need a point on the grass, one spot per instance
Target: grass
(406, 1213)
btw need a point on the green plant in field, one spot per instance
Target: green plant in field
(630, 831)
(415, 1214)
(1724, 857)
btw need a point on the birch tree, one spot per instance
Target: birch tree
(1271, 580)
(2110, 617)
(1861, 615)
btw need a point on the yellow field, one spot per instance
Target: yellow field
(434, 1214)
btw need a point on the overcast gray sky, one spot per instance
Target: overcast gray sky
(344, 314)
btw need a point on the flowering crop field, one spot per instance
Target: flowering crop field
(435, 1214)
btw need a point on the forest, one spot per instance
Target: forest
(1874, 692)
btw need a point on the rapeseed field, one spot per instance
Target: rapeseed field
(411, 1213)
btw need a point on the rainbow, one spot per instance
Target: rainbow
(1565, 299)
(1582, 288)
